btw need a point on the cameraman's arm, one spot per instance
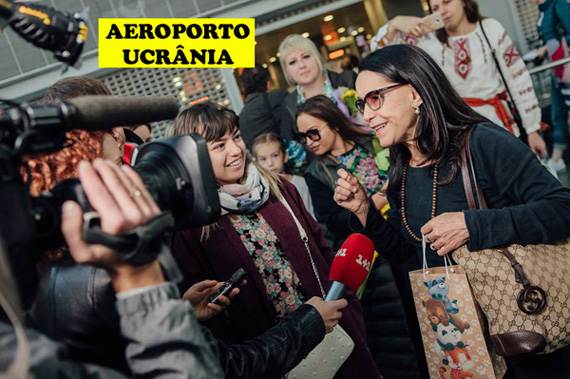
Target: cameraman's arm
(163, 333)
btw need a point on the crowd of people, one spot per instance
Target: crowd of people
(297, 173)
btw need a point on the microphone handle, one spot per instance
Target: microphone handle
(336, 292)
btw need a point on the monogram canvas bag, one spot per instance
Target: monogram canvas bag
(524, 291)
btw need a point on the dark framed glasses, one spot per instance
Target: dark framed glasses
(374, 98)
(312, 134)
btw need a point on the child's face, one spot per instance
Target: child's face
(270, 156)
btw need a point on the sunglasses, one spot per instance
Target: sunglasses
(312, 134)
(374, 98)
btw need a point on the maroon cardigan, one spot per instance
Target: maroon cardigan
(250, 313)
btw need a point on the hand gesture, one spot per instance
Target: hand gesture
(446, 232)
(350, 195)
(330, 311)
(410, 25)
(123, 203)
(199, 296)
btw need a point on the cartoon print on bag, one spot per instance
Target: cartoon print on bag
(454, 352)
(438, 290)
(437, 314)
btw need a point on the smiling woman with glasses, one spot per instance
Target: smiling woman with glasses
(429, 129)
(337, 143)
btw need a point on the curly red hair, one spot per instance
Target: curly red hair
(48, 170)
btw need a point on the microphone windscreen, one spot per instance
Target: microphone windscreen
(105, 112)
(353, 261)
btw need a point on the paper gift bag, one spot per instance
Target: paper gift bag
(452, 333)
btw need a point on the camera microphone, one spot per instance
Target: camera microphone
(40, 128)
(104, 112)
(351, 265)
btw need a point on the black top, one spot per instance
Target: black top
(261, 113)
(526, 203)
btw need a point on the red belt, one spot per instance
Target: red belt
(500, 109)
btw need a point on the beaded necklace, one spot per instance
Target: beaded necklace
(433, 200)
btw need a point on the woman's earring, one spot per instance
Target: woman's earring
(417, 109)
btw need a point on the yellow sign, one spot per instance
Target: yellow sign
(176, 42)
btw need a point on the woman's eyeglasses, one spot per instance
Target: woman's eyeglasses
(374, 98)
(312, 134)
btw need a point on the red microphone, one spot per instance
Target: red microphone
(351, 265)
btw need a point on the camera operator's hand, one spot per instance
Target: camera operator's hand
(330, 311)
(199, 296)
(123, 203)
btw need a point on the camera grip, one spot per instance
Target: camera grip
(137, 247)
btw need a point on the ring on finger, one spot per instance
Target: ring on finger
(428, 238)
(432, 246)
(136, 193)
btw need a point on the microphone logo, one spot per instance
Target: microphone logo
(364, 262)
(341, 253)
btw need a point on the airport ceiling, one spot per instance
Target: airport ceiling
(350, 18)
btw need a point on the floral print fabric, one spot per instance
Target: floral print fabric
(282, 284)
(362, 165)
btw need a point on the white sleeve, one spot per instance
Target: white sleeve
(516, 74)
(378, 41)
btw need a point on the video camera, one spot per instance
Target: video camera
(176, 170)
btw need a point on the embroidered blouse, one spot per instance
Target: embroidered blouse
(469, 65)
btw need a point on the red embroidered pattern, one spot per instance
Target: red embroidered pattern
(461, 53)
(511, 55)
(411, 39)
(519, 72)
(502, 39)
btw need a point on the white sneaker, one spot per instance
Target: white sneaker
(557, 166)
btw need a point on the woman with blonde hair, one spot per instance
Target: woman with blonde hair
(303, 67)
(260, 231)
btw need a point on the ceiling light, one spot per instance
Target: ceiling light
(343, 38)
(341, 30)
(305, 35)
(354, 32)
(361, 29)
(272, 59)
(328, 37)
(328, 18)
(265, 65)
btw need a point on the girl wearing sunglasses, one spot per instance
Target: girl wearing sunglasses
(303, 68)
(338, 143)
(463, 49)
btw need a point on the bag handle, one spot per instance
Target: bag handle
(305, 240)
(511, 100)
(446, 260)
(466, 166)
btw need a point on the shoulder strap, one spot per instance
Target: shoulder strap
(466, 166)
(515, 110)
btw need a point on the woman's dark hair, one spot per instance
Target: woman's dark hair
(323, 108)
(471, 11)
(444, 116)
(74, 86)
(255, 79)
(207, 119)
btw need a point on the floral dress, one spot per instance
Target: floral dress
(363, 166)
(282, 284)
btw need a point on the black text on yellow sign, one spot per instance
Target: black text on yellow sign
(176, 42)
